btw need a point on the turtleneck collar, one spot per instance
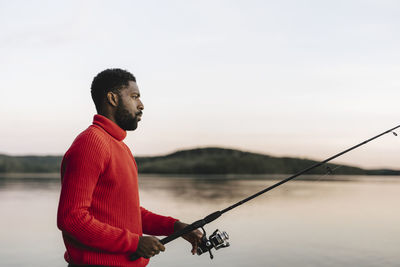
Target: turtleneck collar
(110, 127)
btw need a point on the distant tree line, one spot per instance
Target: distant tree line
(198, 161)
(29, 164)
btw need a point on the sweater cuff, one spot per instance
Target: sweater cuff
(170, 225)
(134, 241)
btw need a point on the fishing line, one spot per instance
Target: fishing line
(218, 239)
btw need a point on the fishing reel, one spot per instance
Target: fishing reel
(216, 240)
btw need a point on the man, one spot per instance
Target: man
(99, 213)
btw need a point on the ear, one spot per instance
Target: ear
(112, 99)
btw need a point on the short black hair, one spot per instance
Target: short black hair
(109, 80)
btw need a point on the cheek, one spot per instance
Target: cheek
(131, 106)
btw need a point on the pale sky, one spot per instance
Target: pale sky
(284, 78)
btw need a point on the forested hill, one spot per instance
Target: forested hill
(210, 160)
(213, 160)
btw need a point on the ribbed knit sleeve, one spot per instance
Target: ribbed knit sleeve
(154, 224)
(82, 166)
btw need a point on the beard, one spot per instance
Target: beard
(125, 119)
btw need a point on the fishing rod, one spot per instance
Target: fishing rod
(219, 239)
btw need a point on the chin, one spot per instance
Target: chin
(131, 127)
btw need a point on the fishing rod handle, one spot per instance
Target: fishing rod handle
(175, 235)
(197, 224)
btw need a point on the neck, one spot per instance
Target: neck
(108, 115)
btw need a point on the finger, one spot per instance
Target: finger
(197, 239)
(199, 234)
(157, 245)
(194, 245)
(161, 247)
(151, 254)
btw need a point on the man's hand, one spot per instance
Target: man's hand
(149, 246)
(193, 237)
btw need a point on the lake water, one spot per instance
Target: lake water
(320, 221)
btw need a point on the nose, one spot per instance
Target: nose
(140, 106)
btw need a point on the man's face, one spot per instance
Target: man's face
(129, 109)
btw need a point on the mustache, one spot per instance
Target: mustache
(140, 113)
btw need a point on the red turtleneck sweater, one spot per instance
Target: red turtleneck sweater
(99, 212)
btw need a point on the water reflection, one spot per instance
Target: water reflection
(29, 183)
(234, 188)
